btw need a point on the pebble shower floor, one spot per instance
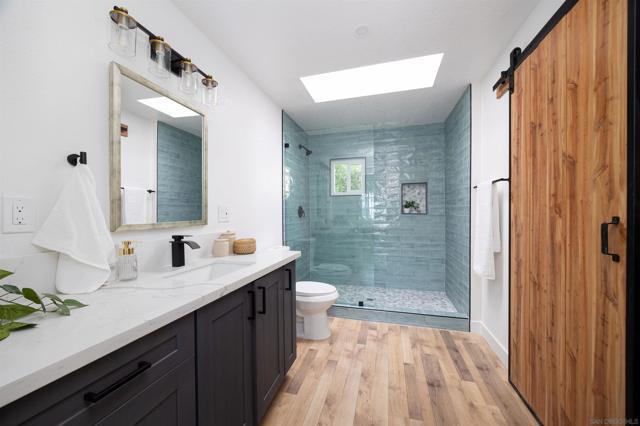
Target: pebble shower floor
(396, 299)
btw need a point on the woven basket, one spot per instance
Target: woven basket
(244, 246)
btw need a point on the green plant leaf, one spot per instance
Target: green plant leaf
(11, 289)
(4, 274)
(52, 297)
(14, 311)
(63, 309)
(6, 329)
(72, 303)
(30, 294)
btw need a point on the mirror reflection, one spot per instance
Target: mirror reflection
(161, 146)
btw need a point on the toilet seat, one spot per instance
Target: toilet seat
(313, 288)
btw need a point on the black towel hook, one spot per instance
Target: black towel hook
(73, 158)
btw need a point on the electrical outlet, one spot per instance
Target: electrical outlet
(223, 214)
(18, 214)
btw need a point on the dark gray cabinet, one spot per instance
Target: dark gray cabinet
(289, 314)
(224, 331)
(269, 341)
(151, 378)
(220, 366)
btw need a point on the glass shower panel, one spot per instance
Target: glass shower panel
(342, 224)
(345, 210)
(296, 195)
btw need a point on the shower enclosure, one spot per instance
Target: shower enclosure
(382, 213)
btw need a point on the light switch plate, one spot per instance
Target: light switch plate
(18, 214)
(223, 214)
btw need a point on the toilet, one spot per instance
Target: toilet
(313, 299)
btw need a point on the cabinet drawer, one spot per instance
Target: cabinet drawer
(169, 401)
(88, 395)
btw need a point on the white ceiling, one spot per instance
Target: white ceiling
(277, 42)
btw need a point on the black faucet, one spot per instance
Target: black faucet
(177, 249)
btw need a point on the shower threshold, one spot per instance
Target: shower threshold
(401, 318)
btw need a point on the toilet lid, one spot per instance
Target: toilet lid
(313, 288)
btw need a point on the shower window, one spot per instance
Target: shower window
(348, 176)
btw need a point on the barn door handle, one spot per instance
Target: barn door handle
(604, 238)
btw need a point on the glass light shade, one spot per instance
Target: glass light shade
(123, 32)
(159, 57)
(209, 92)
(188, 77)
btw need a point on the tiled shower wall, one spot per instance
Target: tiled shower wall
(296, 194)
(365, 240)
(458, 202)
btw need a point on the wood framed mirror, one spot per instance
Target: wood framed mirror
(158, 150)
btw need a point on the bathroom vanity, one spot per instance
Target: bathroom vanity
(211, 353)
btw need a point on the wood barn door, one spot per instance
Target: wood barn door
(568, 177)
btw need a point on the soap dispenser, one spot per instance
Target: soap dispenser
(127, 262)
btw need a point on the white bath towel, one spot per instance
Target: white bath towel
(76, 229)
(134, 206)
(487, 231)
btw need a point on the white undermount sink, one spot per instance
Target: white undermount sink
(206, 273)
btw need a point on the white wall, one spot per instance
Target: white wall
(490, 160)
(54, 101)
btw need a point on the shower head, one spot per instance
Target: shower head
(307, 150)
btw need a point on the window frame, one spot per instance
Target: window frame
(360, 161)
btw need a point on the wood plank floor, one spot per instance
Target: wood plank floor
(385, 374)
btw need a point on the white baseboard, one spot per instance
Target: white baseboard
(502, 352)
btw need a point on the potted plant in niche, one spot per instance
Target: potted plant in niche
(411, 207)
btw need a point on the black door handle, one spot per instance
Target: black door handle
(264, 300)
(289, 275)
(604, 238)
(253, 305)
(93, 397)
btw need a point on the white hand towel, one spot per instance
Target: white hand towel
(134, 206)
(487, 231)
(76, 228)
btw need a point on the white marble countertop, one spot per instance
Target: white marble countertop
(118, 314)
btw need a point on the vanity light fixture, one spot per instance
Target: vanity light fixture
(159, 57)
(163, 60)
(188, 78)
(123, 32)
(210, 91)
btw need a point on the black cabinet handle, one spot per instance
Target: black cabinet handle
(289, 287)
(604, 238)
(264, 300)
(253, 305)
(93, 397)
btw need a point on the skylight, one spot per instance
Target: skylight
(168, 107)
(387, 77)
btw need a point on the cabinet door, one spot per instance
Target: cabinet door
(269, 339)
(225, 364)
(289, 315)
